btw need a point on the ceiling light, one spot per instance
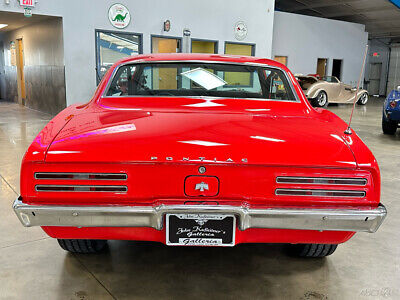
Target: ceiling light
(3, 25)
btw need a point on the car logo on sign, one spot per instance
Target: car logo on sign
(201, 187)
(201, 222)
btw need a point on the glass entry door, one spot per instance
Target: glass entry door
(112, 46)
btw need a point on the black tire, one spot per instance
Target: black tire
(388, 126)
(363, 99)
(312, 250)
(82, 246)
(321, 100)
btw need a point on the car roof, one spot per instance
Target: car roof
(201, 57)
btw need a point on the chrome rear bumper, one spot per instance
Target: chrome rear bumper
(367, 220)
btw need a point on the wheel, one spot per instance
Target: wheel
(363, 99)
(312, 250)
(321, 100)
(82, 246)
(388, 126)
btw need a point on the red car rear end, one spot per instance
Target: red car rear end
(199, 150)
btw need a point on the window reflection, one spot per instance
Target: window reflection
(113, 46)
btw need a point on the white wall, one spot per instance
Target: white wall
(304, 39)
(209, 19)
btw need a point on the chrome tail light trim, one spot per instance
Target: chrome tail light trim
(80, 176)
(81, 188)
(322, 180)
(320, 193)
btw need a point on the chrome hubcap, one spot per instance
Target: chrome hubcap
(364, 98)
(322, 99)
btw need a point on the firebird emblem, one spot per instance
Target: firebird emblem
(201, 186)
(201, 222)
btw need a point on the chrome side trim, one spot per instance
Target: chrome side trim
(322, 180)
(78, 176)
(320, 193)
(353, 219)
(80, 188)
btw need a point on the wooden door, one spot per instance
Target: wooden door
(165, 78)
(20, 70)
(281, 59)
(321, 66)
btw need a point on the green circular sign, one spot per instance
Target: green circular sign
(119, 16)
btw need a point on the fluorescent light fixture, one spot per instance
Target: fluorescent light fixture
(3, 25)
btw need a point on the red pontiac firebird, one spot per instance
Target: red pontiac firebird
(199, 150)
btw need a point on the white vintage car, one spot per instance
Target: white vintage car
(320, 91)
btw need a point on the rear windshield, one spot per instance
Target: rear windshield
(200, 79)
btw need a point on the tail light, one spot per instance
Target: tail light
(95, 180)
(321, 186)
(393, 104)
(81, 176)
(323, 180)
(81, 188)
(319, 193)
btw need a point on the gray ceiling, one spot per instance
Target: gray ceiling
(381, 17)
(18, 20)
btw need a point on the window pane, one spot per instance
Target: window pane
(201, 79)
(203, 47)
(276, 84)
(240, 79)
(239, 49)
(113, 46)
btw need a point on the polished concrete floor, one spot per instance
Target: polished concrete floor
(32, 266)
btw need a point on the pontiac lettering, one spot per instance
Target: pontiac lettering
(198, 159)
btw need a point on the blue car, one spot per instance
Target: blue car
(391, 112)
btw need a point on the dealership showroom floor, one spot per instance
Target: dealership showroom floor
(33, 266)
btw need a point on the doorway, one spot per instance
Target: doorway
(204, 46)
(165, 44)
(20, 72)
(281, 59)
(233, 48)
(375, 70)
(337, 68)
(165, 78)
(321, 66)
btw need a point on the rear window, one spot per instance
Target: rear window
(200, 79)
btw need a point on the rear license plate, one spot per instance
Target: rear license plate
(200, 230)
